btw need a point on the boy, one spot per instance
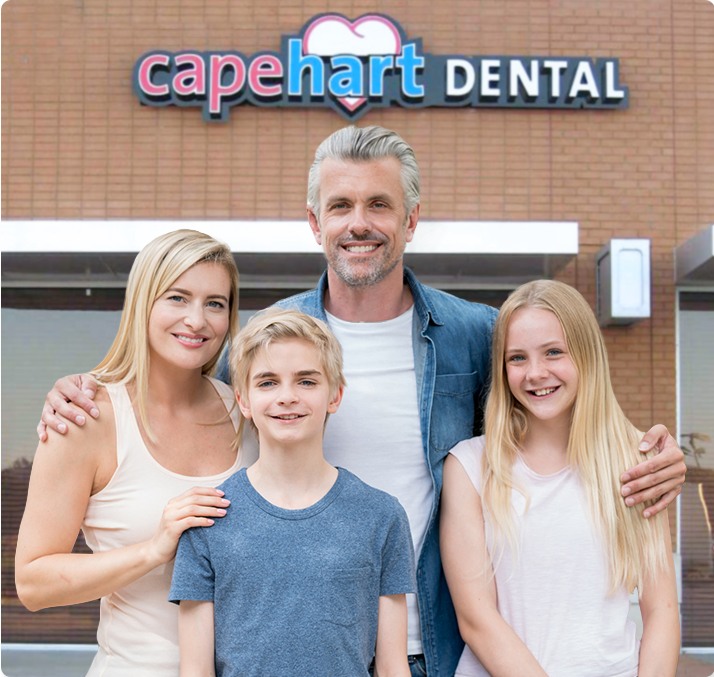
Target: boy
(307, 573)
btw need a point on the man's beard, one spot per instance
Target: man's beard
(356, 276)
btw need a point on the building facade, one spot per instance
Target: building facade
(525, 173)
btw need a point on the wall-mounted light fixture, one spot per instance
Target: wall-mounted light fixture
(623, 282)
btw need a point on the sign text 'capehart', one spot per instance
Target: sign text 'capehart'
(353, 66)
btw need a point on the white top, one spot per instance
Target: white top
(555, 594)
(376, 433)
(138, 626)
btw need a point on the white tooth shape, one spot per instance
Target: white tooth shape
(361, 248)
(543, 391)
(188, 339)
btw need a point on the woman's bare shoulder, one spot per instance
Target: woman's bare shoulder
(90, 436)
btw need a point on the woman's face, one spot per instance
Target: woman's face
(189, 321)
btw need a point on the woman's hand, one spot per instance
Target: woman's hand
(197, 507)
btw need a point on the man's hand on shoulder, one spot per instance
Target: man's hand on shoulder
(71, 398)
(659, 478)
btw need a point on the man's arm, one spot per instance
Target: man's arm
(72, 397)
(196, 639)
(68, 401)
(390, 659)
(659, 478)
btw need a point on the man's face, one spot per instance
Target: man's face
(362, 224)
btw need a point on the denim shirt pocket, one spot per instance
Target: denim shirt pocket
(453, 409)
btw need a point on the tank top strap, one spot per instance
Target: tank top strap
(128, 436)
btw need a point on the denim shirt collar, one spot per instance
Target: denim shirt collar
(423, 306)
(425, 309)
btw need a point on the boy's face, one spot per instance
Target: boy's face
(288, 395)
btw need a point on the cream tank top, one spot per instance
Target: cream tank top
(138, 626)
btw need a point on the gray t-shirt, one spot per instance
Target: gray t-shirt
(296, 592)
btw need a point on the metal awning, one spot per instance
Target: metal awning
(694, 259)
(450, 254)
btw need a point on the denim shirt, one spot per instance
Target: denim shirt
(451, 339)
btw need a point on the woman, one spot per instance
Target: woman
(134, 481)
(538, 548)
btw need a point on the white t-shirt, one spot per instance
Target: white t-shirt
(376, 433)
(555, 594)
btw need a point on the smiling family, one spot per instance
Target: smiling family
(324, 557)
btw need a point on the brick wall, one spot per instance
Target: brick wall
(76, 143)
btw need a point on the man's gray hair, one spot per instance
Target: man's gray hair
(363, 144)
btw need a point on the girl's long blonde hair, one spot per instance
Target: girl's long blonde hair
(157, 266)
(602, 443)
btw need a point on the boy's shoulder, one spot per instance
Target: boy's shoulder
(233, 483)
(369, 498)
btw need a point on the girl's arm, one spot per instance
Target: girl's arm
(659, 649)
(471, 583)
(66, 471)
(390, 659)
(196, 639)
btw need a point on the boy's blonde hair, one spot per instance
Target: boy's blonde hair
(602, 444)
(277, 324)
(157, 266)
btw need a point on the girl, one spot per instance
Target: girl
(170, 435)
(538, 548)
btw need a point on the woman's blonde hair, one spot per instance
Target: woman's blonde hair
(277, 324)
(157, 266)
(602, 443)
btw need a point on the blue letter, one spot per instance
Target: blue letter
(347, 82)
(378, 65)
(408, 61)
(297, 63)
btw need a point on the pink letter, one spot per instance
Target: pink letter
(190, 80)
(148, 87)
(265, 66)
(218, 90)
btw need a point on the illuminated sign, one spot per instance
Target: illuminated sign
(354, 66)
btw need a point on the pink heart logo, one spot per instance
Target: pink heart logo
(333, 35)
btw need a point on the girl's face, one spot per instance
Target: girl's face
(189, 321)
(540, 371)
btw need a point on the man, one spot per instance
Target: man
(416, 363)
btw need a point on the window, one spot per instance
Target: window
(696, 387)
(38, 346)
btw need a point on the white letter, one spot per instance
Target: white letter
(452, 65)
(556, 68)
(584, 82)
(518, 75)
(487, 77)
(610, 79)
